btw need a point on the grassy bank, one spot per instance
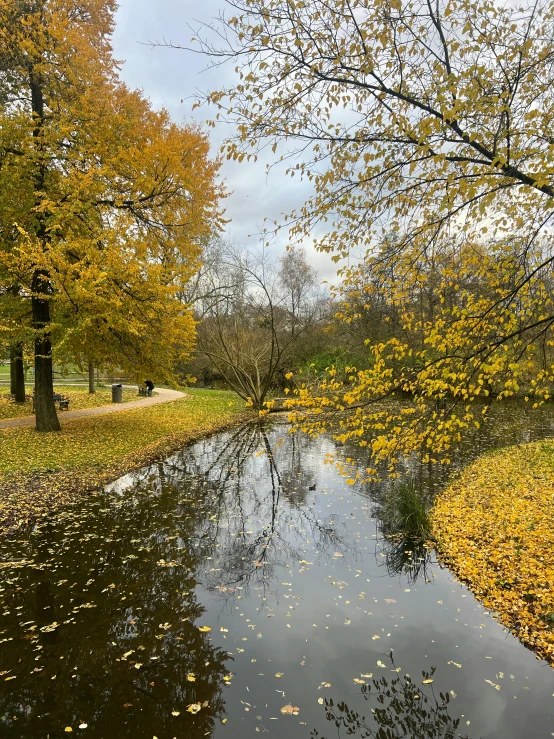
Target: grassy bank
(40, 472)
(79, 399)
(494, 528)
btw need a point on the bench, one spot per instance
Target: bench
(62, 401)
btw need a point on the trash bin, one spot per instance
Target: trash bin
(117, 393)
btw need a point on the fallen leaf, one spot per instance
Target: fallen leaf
(289, 710)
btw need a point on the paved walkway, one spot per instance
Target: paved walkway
(164, 396)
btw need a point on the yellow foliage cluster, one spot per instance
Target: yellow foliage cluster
(493, 527)
(105, 203)
(461, 341)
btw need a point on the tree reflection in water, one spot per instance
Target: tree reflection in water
(250, 532)
(121, 573)
(400, 710)
(404, 556)
(124, 582)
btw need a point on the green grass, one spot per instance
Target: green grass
(78, 395)
(70, 373)
(100, 442)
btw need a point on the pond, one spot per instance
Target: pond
(243, 588)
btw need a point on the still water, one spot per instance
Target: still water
(243, 588)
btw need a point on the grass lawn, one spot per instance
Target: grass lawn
(78, 395)
(494, 529)
(71, 374)
(39, 472)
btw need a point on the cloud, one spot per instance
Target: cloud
(168, 76)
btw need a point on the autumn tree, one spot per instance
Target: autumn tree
(108, 200)
(430, 120)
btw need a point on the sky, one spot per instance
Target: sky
(169, 76)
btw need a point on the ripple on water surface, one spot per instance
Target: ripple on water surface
(241, 587)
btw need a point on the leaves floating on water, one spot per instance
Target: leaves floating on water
(290, 710)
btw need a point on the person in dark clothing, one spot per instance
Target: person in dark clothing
(149, 385)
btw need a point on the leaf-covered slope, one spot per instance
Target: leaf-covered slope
(494, 528)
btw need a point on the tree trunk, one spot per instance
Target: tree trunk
(46, 416)
(45, 410)
(12, 371)
(91, 383)
(18, 373)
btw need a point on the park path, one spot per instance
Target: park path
(164, 396)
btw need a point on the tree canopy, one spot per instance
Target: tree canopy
(425, 129)
(104, 202)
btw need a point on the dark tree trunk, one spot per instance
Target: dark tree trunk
(46, 416)
(91, 383)
(12, 371)
(45, 410)
(17, 373)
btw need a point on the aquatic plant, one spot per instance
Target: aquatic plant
(404, 512)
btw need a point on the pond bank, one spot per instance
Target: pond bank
(494, 530)
(39, 473)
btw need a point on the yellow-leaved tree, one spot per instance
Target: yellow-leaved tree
(425, 129)
(105, 203)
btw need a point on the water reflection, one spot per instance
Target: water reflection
(201, 596)
(400, 708)
(101, 626)
(402, 555)
(258, 491)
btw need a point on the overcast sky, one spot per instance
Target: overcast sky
(168, 76)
